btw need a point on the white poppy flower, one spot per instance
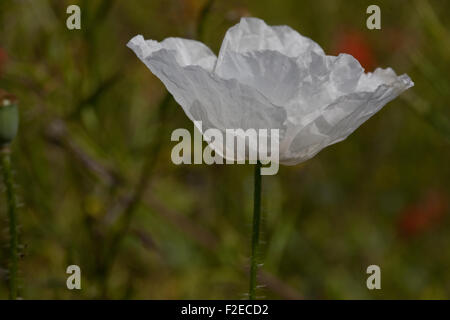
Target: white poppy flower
(271, 78)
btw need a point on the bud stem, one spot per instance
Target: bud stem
(12, 216)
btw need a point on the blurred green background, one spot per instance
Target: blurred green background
(98, 188)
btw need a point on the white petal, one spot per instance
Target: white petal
(345, 73)
(273, 74)
(253, 34)
(187, 52)
(271, 78)
(339, 119)
(218, 103)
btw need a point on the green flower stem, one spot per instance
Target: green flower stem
(256, 231)
(12, 216)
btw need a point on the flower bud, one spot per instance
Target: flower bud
(9, 118)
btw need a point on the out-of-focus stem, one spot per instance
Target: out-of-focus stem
(12, 217)
(202, 19)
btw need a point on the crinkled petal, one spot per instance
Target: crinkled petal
(271, 78)
(339, 119)
(273, 74)
(187, 52)
(219, 103)
(253, 34)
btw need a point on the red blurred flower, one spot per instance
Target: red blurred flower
(422, 215)
(353, 42)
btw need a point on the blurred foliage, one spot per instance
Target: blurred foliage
(92, 161)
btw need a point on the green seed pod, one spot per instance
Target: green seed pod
(9, 118)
